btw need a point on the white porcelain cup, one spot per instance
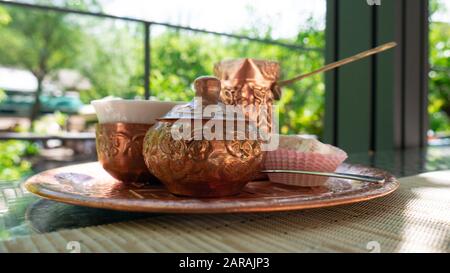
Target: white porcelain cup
(131, 111)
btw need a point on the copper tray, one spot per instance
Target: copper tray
(89, 185)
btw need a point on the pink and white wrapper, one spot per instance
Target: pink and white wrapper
(284, 159)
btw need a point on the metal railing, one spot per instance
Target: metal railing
(147, 34)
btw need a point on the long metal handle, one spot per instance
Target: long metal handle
(357, 177)
(342, 62)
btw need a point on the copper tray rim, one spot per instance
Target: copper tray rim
(34, 186)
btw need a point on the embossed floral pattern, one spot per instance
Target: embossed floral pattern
(111, 144)
(212, 163)
(119, 150)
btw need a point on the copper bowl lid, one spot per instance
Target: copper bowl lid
(206, 105)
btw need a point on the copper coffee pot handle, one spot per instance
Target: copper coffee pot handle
(342, 62)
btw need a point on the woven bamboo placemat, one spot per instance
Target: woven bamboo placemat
(415, 218)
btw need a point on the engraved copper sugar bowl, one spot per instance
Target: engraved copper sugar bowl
(196, 165)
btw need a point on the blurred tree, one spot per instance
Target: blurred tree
(179, 57)
(41, 42)
(111, 59)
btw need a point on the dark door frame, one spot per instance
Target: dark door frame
(379, 103)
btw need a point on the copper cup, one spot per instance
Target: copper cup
(119, 150)
(120, 134)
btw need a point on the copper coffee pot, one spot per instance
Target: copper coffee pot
(256, 82)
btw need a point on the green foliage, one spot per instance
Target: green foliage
(111, 60)
(4, 235)
(110, 54)
(13, 166)
(4, 17)
(439, 95)
(434, 6)
(50, 124)
(179, 57)
(39, 41)
(3, 95)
